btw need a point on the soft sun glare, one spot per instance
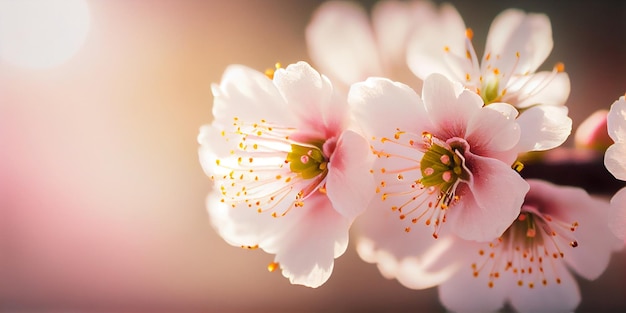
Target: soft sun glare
(41, 33)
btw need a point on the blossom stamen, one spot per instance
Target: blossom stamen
(441, 168)
(259, 178)
(524, 247)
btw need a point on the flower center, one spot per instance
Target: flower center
(441, 166)
(420, 183)
(531, 242)
(490, 93)
(255, 173)
(308, 161)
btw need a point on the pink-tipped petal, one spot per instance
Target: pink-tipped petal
(569, 205)
(447, 109)
(490, 203)
(341, 42)
(349, 183)
(310, 97)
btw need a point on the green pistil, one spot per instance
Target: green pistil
(490, 92)
(308, 161)
(441, 167)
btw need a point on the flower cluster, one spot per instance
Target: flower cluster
(415, 143)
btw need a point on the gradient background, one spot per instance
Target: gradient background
(101, 193)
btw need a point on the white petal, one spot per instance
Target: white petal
(615, 161)
(563, 297)
(394, 21)
(350, 184)
(617, 214)
(381, 106)
(513, 32)
(616, 120)
(545, 88)
(543, 127)
(306, 254)
(465, 293)
(415, 259)
(309, 96)
(448, 113)
(492, 130)
(341, 42)
(248, 95)
(425, 49)
(212, 146)
(490, 203)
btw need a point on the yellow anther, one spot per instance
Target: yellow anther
(518, 167)
(272, 266)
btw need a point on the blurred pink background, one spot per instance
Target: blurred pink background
(101, 193)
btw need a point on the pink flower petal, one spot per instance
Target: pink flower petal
(514, 32)
(381, 106)
(350, 184)
(563, 297)
(426, 47)
(304, 258)
(465, 293)
(545, 88)
(394, 22)
(307, 252)
(341, 42)
(616, 120)
(543, 127)
(494, 130)
(615, 161)
(248, 95)
(490, 203)
(448, 107)
(617, 214)
(310, 97)
(414, 258)
(595, 243)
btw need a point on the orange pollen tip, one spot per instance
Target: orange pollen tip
(560, 67)
(272, 266)
(469, 33)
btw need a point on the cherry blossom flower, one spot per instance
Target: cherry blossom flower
(615, 162)
(343, 42)
(560, 230)
(289, 174)
(517, 44)
(445, 160)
